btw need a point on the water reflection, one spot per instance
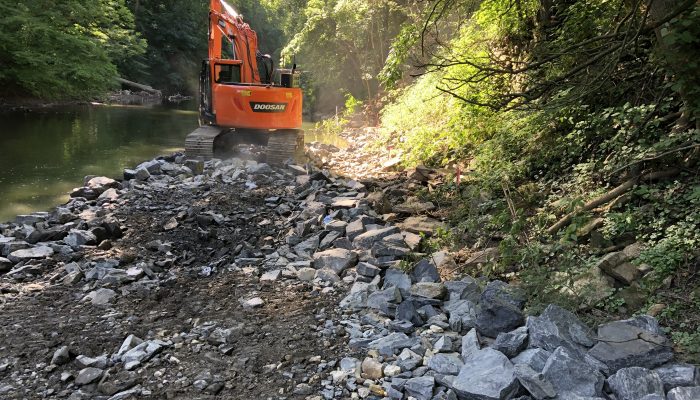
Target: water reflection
(44, 154)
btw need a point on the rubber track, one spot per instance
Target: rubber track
(282, 146)
(200, 143)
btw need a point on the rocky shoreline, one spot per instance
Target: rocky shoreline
(232, 279)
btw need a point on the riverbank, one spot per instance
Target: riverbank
(233, 279)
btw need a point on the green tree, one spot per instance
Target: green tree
(64, 49)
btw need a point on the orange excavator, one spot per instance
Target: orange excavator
(243, 98)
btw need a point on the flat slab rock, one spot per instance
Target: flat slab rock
(486, 375)
(633, 342)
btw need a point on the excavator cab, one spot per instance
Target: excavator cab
(239, 95)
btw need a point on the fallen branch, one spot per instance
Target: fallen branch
(612, 194)
(656, 157)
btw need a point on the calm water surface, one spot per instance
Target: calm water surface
(44, 154)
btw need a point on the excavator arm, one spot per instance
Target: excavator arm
(226, 28)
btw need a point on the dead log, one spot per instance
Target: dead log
(136, 85)
(610, 195)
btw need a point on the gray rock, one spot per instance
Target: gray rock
(443, 345)
(445, 363)
(77, 238)
(152, 166)
(308, 246)
(5, 265)
(129, 343)
(141, 174)
(354, 229)
(101, 297)
(430, 290)
(408, 360)
(635, 382)
(500, 309)
(141, 353)
(254, 302)
(557, 327)
(366, 269)
(406, 311)
(425, 271)
(571, 376)
(383, 249)
(684, 393)
(535, 358)
(465, 289)
(270, 276)
(328, 240)
(88, 375)
(61, 356)
(462, 315)
(470, 344)
(394, 341)
(384, 300)
(127, 394)
(96, 362)
(306, 274)
(623, 344)
(396, 277)
(336, 259)
(220, 336)
(327, 275)
(420, 388)
(678, 374)
(486, 375)
(30, 254)
(534, 382)
(511, 343)
(365, 240)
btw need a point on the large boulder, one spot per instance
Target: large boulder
(500, 309)
(571, 376)
(335, 259)
(486, 375)
(635, 342)
(557, 327)
(634, 383)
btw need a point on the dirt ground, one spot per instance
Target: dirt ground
(270, 352)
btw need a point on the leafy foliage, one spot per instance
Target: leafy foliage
(64, 50)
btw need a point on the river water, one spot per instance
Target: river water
(46, 153)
